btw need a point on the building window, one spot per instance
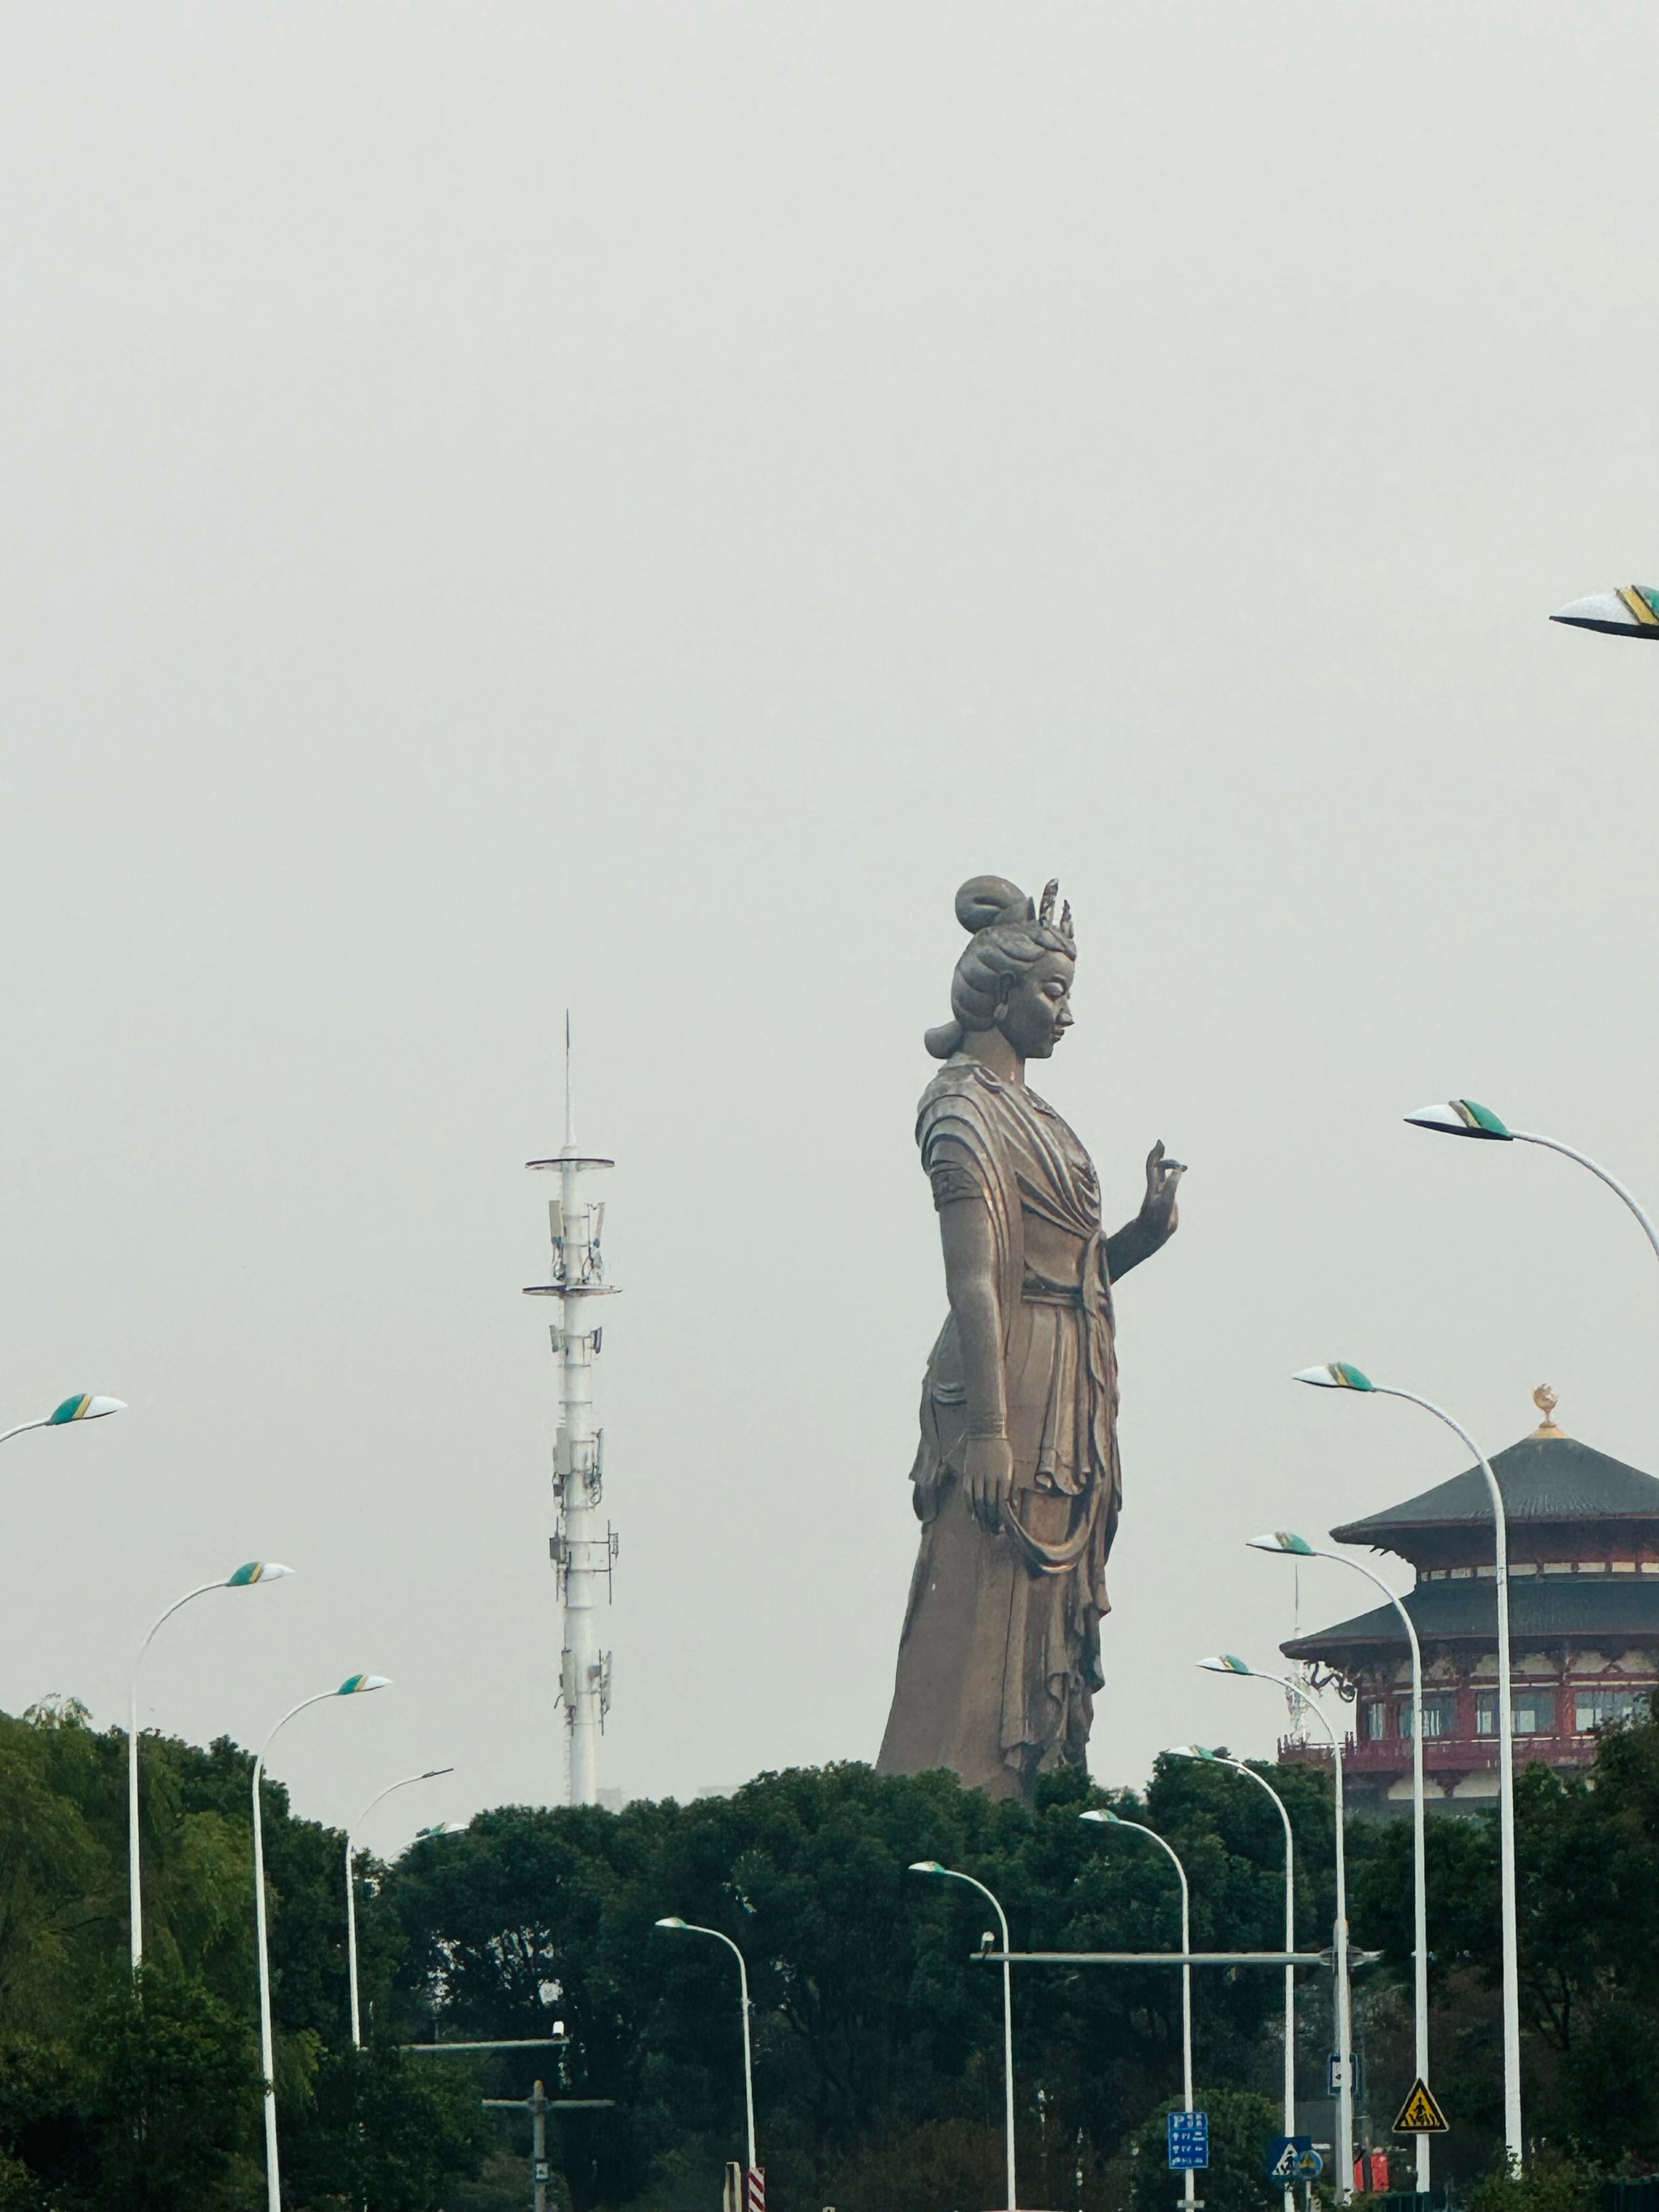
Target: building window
(1594, 1709)
(1438, 1717)
(1376, 1719)
(1532, 1712)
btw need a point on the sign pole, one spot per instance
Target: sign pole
(538, 2146)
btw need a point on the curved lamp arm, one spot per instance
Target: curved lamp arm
(1467, 1117)
(84, 1406)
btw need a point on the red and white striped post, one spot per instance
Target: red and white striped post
(756, 2188)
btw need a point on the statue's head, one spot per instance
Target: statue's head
(1016, 973)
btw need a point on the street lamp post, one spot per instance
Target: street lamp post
(244, 1577)
(1226, 1663)
(1225, 1758)
(951, 1874)
(354, 1686)
(1341, 1376)
(690, 1928)
(1464, 1117)
(430, 1774)
(1105, 1819)
(1285, 1540)
(82, 1406)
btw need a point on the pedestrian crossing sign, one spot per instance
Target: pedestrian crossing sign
(1420, 2115)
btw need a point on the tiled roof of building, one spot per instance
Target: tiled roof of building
(1543, 1479)
(1605, 1610)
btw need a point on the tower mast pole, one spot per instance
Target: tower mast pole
(582, 1548)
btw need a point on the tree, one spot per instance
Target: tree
(1242, 2124)
(387, 2131)
(170, 2097)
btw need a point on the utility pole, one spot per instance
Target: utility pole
(537, 2104)
(583, 1550)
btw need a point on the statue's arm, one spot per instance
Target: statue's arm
(1156, 1221)
(970, 1281)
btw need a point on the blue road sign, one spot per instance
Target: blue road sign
(1285, 2154)
(1334, 2075)
(1189, 2140)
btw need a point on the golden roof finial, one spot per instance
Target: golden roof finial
(1546, 1401)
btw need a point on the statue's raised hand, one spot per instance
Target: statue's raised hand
(1158, 1208)
(988, 1473)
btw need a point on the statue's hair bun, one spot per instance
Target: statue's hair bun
(983, 899)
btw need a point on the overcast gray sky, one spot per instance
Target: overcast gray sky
(625, 506)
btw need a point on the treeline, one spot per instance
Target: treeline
(877, 2038)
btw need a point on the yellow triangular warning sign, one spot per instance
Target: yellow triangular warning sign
(1420, 2115)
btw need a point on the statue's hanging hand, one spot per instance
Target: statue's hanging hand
(988, 1474)
(1158, 1211)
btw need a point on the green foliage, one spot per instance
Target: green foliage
(1236, 2179)
(151, 2098)
(877, 2038)
(1551, 2182)
(877, 2033)
(388, 2131)
(942, 2162)
(171, 2098)
(1587, 1868)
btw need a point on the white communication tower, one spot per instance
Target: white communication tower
(584, 1552)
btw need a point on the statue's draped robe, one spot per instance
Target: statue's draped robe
(1000, 1653)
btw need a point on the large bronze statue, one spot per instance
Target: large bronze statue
(1016, 1481)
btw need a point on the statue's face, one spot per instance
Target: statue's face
(1038, 1012)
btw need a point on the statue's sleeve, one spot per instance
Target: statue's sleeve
(954, 1155)
(951, 1173)
(962, 1159)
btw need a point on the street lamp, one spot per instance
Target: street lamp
(690, 1927)
(1632, 612)
(1465, 1117)
(1339, 1376)
(1286, 1541)
(353, 1687)
(244, 1577)
(1104, 1819)
(81, 1407)
(430, 1774)
(1227, 1663)
(950, 1873)
(1225, 1758)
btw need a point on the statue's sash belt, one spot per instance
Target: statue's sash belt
(1092, 1297)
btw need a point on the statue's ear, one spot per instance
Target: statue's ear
(1004, 992)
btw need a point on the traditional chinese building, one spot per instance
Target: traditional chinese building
(1583, 1533)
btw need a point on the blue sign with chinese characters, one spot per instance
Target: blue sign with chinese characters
(1189, 2140)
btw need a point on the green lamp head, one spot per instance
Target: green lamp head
(1461, 1117)
(1225, 1662)
(1283, 1540)
(1338, 1375)
(1631, 612)
(83, 1408)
